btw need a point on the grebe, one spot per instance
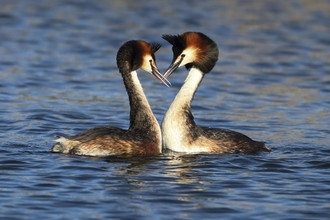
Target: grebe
(198, 53)
(143, 136)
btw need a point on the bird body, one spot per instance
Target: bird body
(143, 137)
(180, 132)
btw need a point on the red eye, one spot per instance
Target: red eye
(183, 55)
(150, 61)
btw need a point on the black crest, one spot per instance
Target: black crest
(207, 54)
(178, 42)
(154, 47)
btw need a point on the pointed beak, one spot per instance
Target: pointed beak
(155, 71)
(173, 67)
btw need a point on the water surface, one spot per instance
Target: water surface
(272, 82)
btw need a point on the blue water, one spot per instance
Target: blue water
(58, 76)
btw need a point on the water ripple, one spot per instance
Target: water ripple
(58, 75)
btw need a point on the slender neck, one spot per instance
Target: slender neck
(186, 94)
(141, 116)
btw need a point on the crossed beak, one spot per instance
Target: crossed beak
(155, 71)
(173, 67)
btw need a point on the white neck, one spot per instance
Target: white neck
(188, 89)
(139, 90)
(173, 125)
(143, 110)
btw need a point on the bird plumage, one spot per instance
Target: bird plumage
(199, 54)
(144, 135)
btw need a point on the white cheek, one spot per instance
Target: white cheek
(186, 60)
(190, 56)
(146, 63)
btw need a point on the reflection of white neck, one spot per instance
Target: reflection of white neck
(173, 126)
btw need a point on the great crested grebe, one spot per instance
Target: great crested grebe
(143, 136)
(198, 53)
